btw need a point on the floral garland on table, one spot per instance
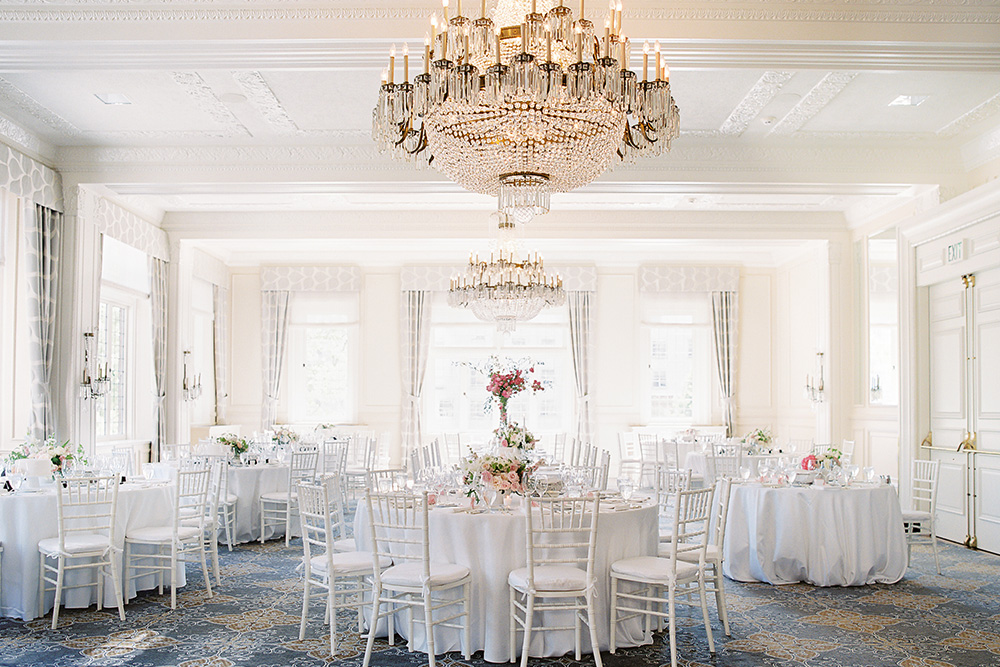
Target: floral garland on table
(285, 435)
(514, 436)
(828, 459)
(505, 474)
(57, 455)
(235, 443)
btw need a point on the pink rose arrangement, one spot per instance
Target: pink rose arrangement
(507, 381)
(501, 473)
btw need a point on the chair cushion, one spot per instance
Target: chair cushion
(666, 535)
(550, 578)
(651, 568)
(712, 554)
(76, 543)
(230, 499)
(278, 496)
(345, 545)
(916, 516)
(348, 562)
(412, 574)
(162, 534)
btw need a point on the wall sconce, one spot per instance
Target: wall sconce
(876, 389)
(815, 388)
(191, 384)
(96, 378)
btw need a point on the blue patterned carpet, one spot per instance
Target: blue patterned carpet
(924, 621)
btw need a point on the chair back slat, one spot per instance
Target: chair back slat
(317, 516)
(923, 487)
(692, 513)
(561, 531)
(399, 528)
(86, 505)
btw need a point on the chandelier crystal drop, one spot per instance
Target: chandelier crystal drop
(525, 102)
(511, 287)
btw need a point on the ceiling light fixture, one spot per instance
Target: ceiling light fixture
(908, 100)
(114, 99)
(526, 103)
(513, 286)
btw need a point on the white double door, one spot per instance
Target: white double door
(965, 406)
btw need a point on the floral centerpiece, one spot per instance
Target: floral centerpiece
(758, 441)
(285, 435)
(827, 459)
(507, 380)
(514, 436)
(505, 474)
(235, 443)
(57, 455)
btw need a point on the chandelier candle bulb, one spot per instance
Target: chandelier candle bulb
(658, 61)
(482, 11)
(618, 18)
(406, 62)
(581, 10)
(548, 44)
(579, 41)
(392, 64)
(444, 3)
(460, 7)
(427, 54)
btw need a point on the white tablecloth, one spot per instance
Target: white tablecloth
(492, 545)
(26, 519)
(826, 536)
(695, 462)
(247, 483)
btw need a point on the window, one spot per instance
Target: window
(111, 355)
(455, 395)
(323, 357)
(677, 360)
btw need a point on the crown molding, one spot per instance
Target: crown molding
(248, 54)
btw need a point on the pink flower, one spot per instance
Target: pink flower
(809, 463)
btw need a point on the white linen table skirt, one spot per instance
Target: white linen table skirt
(491, 545)
(27, 518)
(247, 483)
(825, 536)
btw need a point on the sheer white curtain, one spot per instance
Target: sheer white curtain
(158, 303)
(416, 315)
(274, 336)
(220, 334)
(43, 232)
(724, 314)
(580, 327)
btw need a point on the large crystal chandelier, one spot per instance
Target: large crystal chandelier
(526, 103)
(512, 286)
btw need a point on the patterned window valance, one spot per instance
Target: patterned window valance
(689, 279)
(210, 269)
(123, 225)
(30, 179)
(438, 278)
(310, 279)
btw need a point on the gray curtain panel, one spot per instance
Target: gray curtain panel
(44, 234)
(580, 327)
(416, 315)
(158, 302)
(274, 336)
(724, 328)
(220, 335)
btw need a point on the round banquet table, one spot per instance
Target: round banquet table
(247, 483)
(27, 518)
(823, 535)
(491, 545)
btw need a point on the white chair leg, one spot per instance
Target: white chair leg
(305, 604)
(592, 624)
(512, 644)
(263, 511)
(703, 596)
(529, 613)
(429, 627)
(376, 607)
(672, 625)
(41, 585)
(116, 582)
(59, 584)
(720, 597)
(173, 576)
(937, 562)
(614, 615)
(467, 639)
(331, 599)
(204, 567)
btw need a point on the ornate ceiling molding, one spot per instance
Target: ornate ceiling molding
(990, 107)
(756, 99)
(205, 98)
(14, 97)
(260, 95)
(813, 102)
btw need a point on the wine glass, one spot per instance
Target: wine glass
(745, 473)
(625, 487)
(490, 495)
(869, 474)
(15, 478)
(852, 472)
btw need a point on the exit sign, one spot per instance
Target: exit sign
(954, 252)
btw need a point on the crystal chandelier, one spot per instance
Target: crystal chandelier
(526, 103)
(511, 287)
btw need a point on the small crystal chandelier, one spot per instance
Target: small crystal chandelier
(511, 287)
(526, 103)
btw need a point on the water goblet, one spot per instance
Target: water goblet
(869, 474)
(15, 478)
(745, 473)
(625, 487)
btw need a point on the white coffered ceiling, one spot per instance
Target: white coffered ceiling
(245, 106)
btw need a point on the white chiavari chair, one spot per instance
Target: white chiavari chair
(668, 482)
(559, 448)
(847, 449)
(649, 575)
(919, 518)
(629, 456)
(561, 536)
(453, 447)
(338, 575)
(176, 539)
(278, 507)
(801, 447)
(650, 452)
(414, 582)
(86, 510)
(716, 467)
(123, 460)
